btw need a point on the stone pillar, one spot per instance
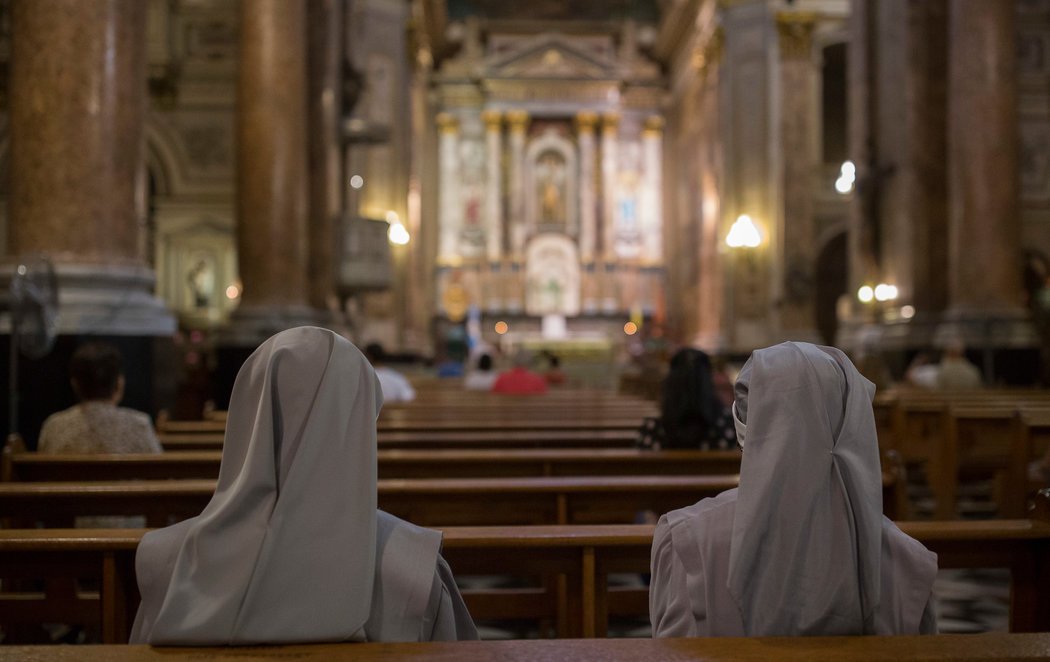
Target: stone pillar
(77, 103)
(585, 121)
(325, 19)
(652, 185)
(493, 193)
(610, 166)
(518, 121)
(450, 212)
(796, 312)
(984, 232)
(863, 268)
(77, 111)
(271, 170)
(917, 256)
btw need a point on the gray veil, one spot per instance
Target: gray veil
(810, 462)
(285, 551)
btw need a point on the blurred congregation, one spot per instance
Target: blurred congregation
(588, 328)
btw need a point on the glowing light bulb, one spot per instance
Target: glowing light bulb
(501, 327)
(865, 294)
(743, 233)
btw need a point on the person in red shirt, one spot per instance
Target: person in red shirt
(519, 380)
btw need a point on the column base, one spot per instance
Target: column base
(102, 300)
(1010, 328)
(250, 326)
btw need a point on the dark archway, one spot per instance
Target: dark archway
(832, 283)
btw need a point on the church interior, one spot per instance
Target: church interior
(562, 234)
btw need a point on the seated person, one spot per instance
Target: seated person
(395, 387)
(691, 414)
(519, 380)
(483, 377)
(956, 372)
(96, 424)
(801, 547)
(554, 375)
(291, 548)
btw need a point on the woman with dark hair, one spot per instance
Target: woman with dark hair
(96, 424)
(691, 414)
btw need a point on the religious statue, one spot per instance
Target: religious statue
(201, 279)
(550, 177)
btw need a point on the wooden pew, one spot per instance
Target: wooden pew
(484, 463)
(958, 648)
(584, 555)
(493, 437)
(968, 431)
(427, 502)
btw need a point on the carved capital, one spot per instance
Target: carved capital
(447, 123)
(518, 120)
(492, 119)
(586, 121)
(610, 122)
(795, 31)
(654, 125)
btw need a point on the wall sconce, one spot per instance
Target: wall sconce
(847, 177)
(396, 233)
(743, 233)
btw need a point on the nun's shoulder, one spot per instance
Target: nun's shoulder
(900, 545)
(701, 512)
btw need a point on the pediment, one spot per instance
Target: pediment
(551, 56)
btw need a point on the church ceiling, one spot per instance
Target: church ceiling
(643, 11)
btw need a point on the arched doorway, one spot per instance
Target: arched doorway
(832, 283)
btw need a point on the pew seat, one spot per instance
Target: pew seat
(583, 555)
(955, 648)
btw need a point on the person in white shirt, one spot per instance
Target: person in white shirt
(483, 377)
(395, 387)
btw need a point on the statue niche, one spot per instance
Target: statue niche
(550, 185)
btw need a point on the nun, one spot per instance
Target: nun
(801, 547)
(291, 548)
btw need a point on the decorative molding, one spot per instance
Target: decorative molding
(586, 121)
(492, 119)
(795, 32)
(518, 120)
(654, 125)
(447, 123)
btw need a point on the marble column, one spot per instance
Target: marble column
(450, 211)
(519, 122)
(78, 101)
(272, 197)
(917, 251)
(862, 97)
(325, 20)
(796, 312)
(610, 166)
(984, 222)
(493, 120)
(652, 185)
(585, 121)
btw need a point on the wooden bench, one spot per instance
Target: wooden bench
(491, 438)
(427, 502)
(973, 432)
(24, 466)
(957, 648)
(584, 555)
